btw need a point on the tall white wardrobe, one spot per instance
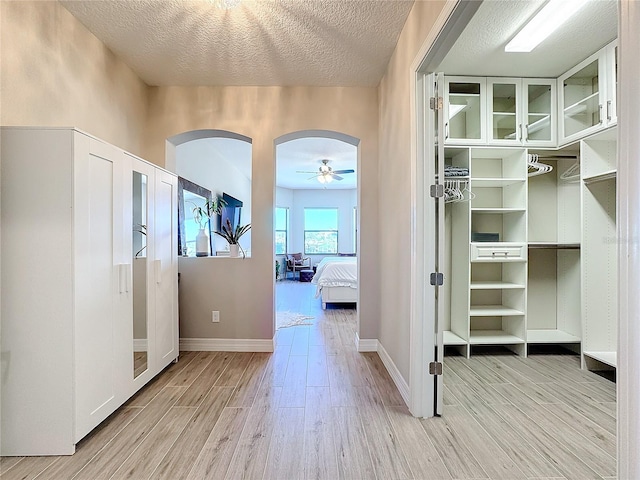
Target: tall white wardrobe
(88, 237)
(531, 250)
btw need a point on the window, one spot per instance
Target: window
(320, 231)
(282, 230)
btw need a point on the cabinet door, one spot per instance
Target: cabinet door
(100, 283)
(539, 112)
(165, 268)
(503, 106)
(139, 183)
(581, 99)
(465, 110)
(611, 67)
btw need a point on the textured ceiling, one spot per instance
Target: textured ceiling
(260, 42)
(480, 48)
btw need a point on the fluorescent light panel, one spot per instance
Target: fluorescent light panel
(543, 24)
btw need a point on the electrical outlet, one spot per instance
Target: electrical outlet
(215, 316)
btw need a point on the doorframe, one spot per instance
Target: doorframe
(453, 18)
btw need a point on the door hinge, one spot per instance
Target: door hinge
(435, 103)
(436, 279)
(436, 191)
(435, 368)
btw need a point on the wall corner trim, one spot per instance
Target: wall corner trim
(227, 345)
(366, 344)
(396, 376)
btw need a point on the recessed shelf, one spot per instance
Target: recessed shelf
(554, 245)
(495, 181)
(599, 177)
(450, 338)
(493, 337)
(550, 336)
(493, 311)
(495, 286)
(610, 358)
(498, 210)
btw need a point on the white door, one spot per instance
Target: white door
(100, 286)
(434, 170)
(165, 268)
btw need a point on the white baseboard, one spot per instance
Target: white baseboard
(139, 344)
(366, 344)
(396, 376)
(226, 345)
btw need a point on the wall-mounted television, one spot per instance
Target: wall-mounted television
(231, 211)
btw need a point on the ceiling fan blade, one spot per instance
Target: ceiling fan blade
(311, 178)
(300, 171)
(337, 177)
(340, 172)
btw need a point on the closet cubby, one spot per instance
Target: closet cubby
(554, 231)
(599, 247)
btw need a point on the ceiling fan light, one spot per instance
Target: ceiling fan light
(328, 178)
(321, 179)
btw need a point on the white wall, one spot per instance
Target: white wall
(343, 200)
(212, 169)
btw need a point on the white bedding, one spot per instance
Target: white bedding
(336, 272)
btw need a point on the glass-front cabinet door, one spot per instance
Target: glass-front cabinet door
(465, 110)
(611, 60)
(581, 98)
(503, 100)
(539, 112)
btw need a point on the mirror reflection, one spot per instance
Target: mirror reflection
(139, 254)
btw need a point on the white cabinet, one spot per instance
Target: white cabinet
(465, 110)
(521, 111)
(587, 96)
(67, 306)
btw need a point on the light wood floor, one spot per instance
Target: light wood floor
(317, 409)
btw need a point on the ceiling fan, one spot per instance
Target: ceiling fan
(326, 174)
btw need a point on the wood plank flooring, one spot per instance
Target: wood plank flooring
(317, 409)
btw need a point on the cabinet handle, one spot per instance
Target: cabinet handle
(520, 132)
(123, 278)
(526, 133)
(158, 272)
(446, 130)
(609, 110)
(600, 114)
(499, 253)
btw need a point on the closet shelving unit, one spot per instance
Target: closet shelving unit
(553, 283)
(497, 286)
(599, 241)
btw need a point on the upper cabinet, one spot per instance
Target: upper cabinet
(587, 95)
(465, 110)
(521, 111)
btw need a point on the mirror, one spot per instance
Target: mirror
(139, 255)
(189, 196)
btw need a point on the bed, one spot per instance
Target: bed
(336, 280)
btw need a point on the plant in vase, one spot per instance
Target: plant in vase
(202, 215)
(233, 237)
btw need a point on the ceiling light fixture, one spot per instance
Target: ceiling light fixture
(543, 24)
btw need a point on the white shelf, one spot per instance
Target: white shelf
(493, 337)
(493, 311)
(498, 210)
(608, 175)
(554, 245)
(494, 181)
(586, 105)
(495, 286)
(450, 338)
(550, 336)
(610, 358)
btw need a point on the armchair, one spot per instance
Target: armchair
(297, 262)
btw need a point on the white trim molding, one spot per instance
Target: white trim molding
(366, 344)
(226, 345)
(396, 376)
(140, 345)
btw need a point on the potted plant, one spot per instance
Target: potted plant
(201, 215)
(233, 237)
